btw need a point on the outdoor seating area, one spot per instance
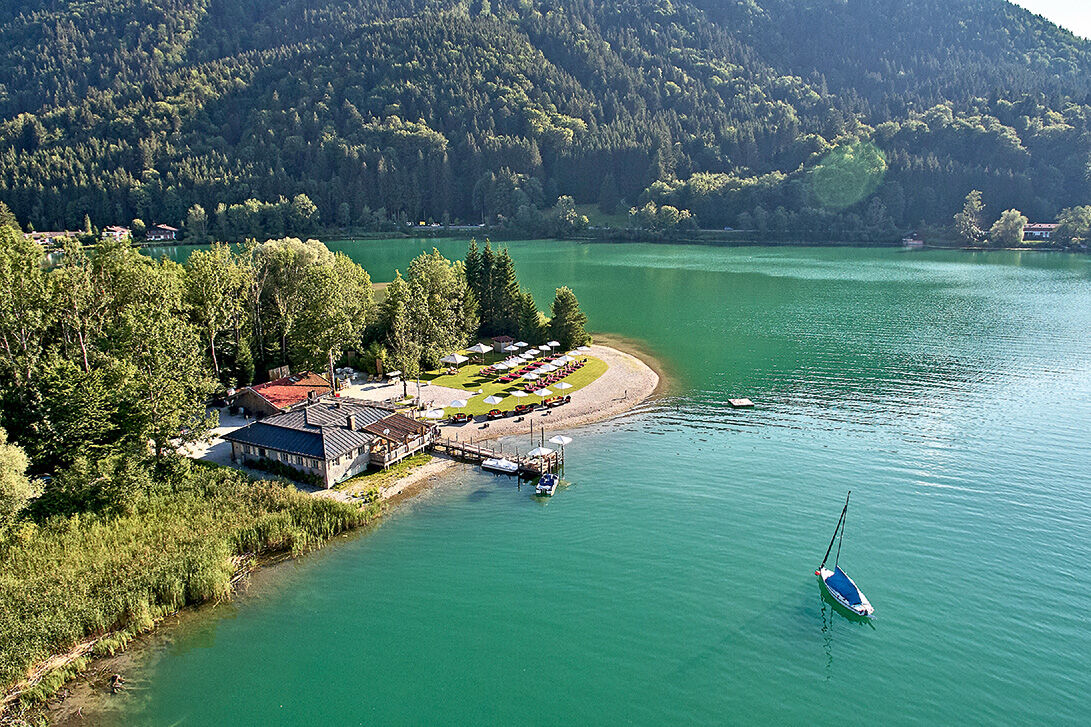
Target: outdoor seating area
(528, 378)
(546, 373)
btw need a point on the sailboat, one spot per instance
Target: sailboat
(842, 589)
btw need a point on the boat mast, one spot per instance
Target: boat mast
(840, 522)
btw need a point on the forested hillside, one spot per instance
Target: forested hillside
(799, 115)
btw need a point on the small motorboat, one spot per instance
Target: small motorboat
(836, 583)
(503, 466)
(547, 485)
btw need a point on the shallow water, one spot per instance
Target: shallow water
(673, 581)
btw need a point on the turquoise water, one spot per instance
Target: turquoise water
(673, 581)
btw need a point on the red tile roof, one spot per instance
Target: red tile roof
(290, 390)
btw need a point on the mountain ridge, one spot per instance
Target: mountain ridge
(430, 109)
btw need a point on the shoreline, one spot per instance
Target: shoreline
(638, 374)
(629, 381)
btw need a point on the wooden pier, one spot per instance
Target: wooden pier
(478, 453)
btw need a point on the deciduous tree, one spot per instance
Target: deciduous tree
(1008, 230)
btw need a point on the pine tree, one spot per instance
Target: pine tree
(568, 323)
(609, 196)
(7, 217)
(486, 300)
(968, 222)
(531, 320)
(473, 269)
(505, 291)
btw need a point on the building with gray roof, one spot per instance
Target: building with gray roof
(332, 439)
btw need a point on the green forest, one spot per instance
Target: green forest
(822, 118)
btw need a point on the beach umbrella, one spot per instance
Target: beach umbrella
(543, 393)
(457, 404)
(563, 385)
(526, 356)
(522, 344)
(501, 366)
(433, 414)
(511, 349)
(539, 452)
(554, 343)
(549, 368)
(531, 376)
(533, 352)
(545, 347)
(493, 399)
(480, 348)
(563, 360)
(454, 359)
(561, 440)
(520, 394)
(583, 348)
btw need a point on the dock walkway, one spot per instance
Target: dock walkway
(478, 453)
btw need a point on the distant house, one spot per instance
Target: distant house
(282, 394)
(499, 343)
(162, 232)
(114, 232)
(1039, 230)
(333, 439)
(52, 239)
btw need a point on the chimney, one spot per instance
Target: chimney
(312, 396)
(352, 422)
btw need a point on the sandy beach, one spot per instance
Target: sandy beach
(628, 381)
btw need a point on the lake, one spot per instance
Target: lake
(673, 581)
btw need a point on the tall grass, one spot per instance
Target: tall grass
(75, 578)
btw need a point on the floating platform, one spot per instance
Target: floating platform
(740, 403)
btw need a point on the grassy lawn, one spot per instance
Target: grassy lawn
(598, 219)
(375, 479)
(469, 380)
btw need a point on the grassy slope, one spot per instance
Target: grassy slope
(76, 578)
(369, 483)
(468, 380)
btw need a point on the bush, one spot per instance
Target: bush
(287, 471)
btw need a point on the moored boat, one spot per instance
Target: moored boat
(836, 583)
(547, 485)
(503, 466)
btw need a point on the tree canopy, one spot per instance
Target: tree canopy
(270, 118)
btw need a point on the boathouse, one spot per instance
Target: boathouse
(331, 440)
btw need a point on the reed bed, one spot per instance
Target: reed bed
(76, 578)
